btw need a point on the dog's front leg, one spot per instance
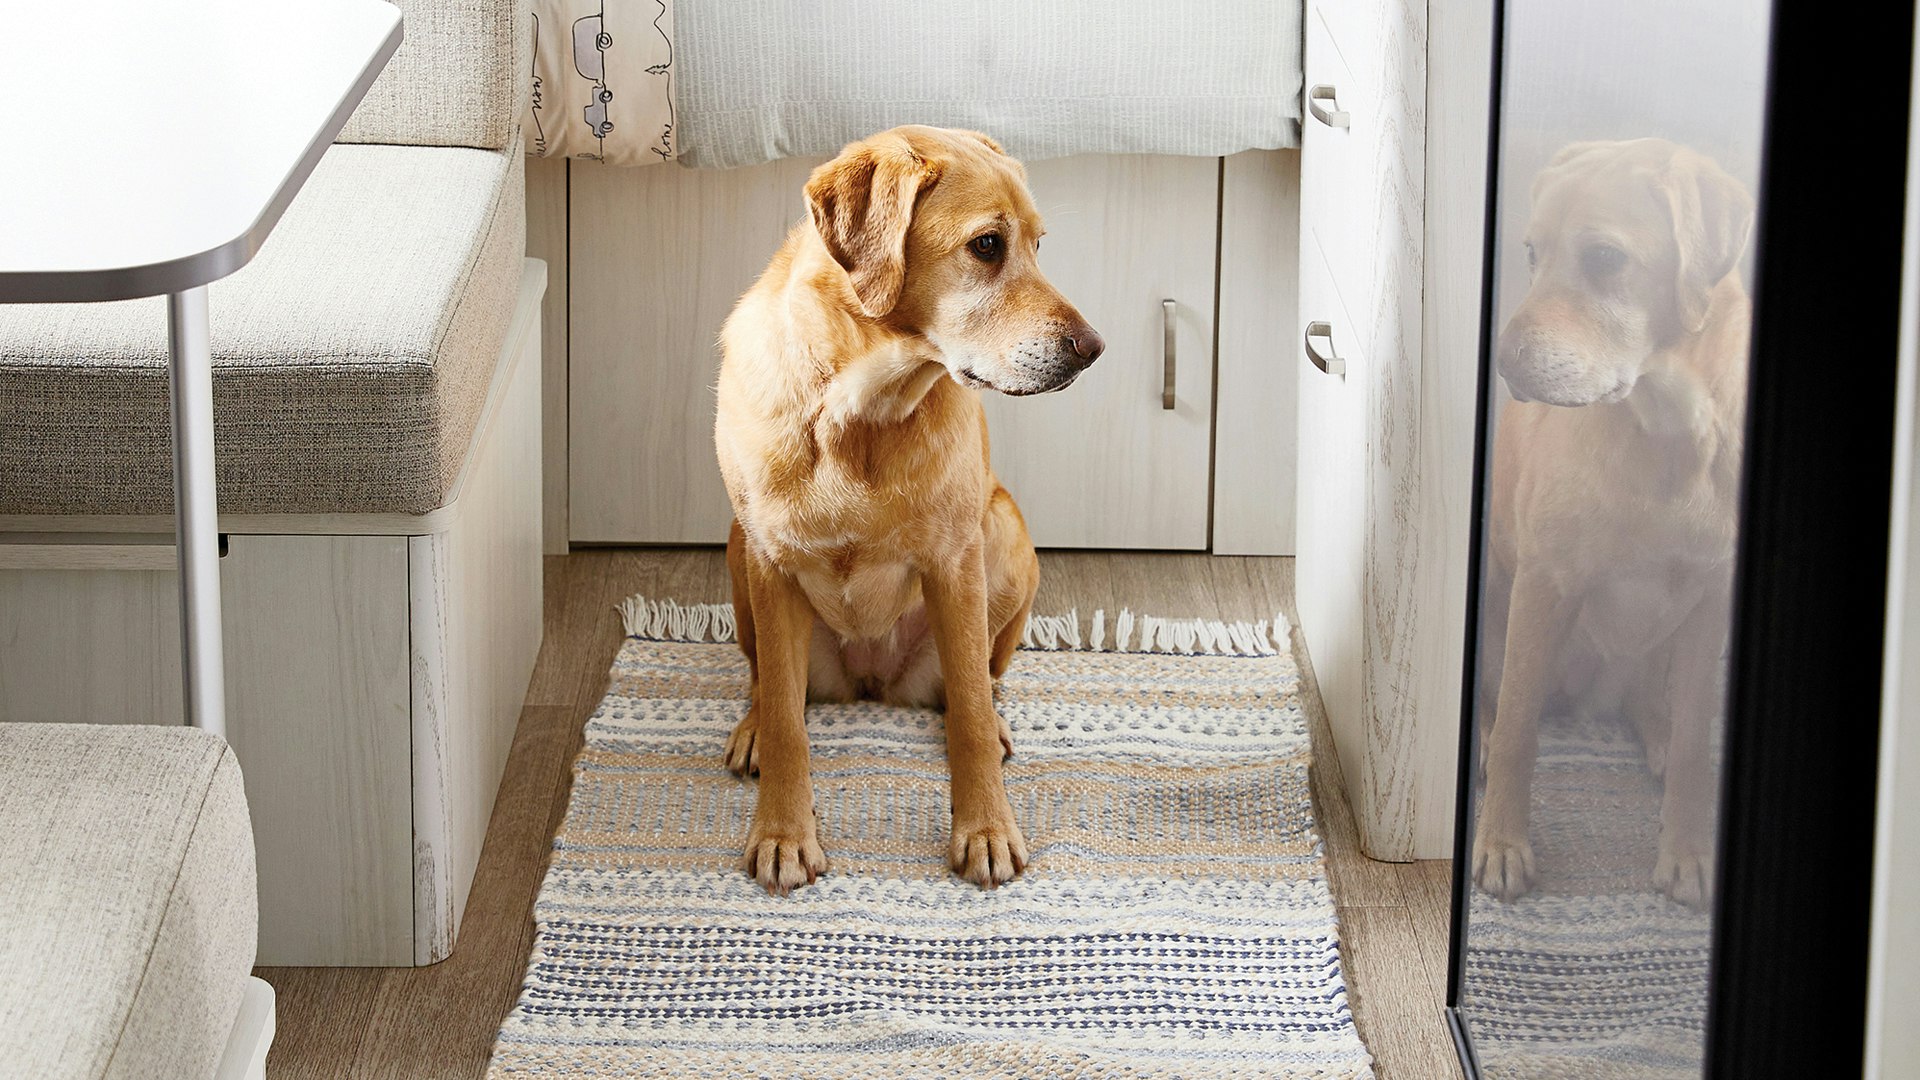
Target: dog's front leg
(1537, 618)
(783, 846)
(1683, 868)
(987, 847)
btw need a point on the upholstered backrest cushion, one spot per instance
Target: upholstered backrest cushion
(458, 79)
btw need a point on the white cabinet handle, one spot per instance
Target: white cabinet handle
(1331, 364)
(1335, 117)
(1168, 360)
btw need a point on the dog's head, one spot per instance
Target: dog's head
(1625, 245)
(939, 237)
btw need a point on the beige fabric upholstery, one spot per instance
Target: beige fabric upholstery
(351, 357)
(459, 78)
(127, 900)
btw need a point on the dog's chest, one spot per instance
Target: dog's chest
(850, 547)
(854, 495)
(1638, 607)
(861, 599)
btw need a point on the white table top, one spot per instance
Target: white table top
(149, 146)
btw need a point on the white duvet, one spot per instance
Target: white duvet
(722, 83)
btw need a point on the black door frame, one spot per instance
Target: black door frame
(1788, 969)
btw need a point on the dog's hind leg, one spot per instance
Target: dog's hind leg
(742, 752)
(1013, 577)
(1650, 704)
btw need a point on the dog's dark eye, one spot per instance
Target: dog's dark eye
(985, 247)
(1532, 259)
(1603, 261)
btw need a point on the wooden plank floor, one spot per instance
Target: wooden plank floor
(438, 1023)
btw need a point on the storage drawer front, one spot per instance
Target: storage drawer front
(1335, 206)
(1333, 501)
(317, 712)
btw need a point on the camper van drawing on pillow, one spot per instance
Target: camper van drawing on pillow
(590, 44)
(639, 68)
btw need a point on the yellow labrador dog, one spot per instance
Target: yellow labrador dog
(874, 554)
(1614, 486)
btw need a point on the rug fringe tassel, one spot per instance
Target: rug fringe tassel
(1210, 637)
(668, 620)
(1052, 631)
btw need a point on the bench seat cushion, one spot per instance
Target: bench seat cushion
(127, 900)
(351, 356)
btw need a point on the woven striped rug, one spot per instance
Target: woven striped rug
(1175, 919)
(1595, 974)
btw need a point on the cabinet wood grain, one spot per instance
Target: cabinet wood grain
(659, 256)
(1103, 464)
(547, 241)
(1256, 415)
(1360, 572)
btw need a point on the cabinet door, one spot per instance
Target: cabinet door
(658, 256)
(1362, 179)
(1104, 464)
(318, 700)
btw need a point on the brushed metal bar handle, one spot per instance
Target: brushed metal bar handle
(1331, 364)
(1335, 117)
(1169, 360)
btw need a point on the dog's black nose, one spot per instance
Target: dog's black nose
(1086, 344)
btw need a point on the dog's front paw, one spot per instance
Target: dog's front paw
(781, 857)
(1503, 866)
(988, 850)
(742, 754)
(1684, 869)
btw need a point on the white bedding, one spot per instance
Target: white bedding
(723, 83)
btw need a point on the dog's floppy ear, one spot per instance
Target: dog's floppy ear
(1712, 215)
(861, 203)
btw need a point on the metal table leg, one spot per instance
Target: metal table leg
(196, 518)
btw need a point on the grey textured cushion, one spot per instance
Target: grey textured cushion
(127, 900)
(459, 77)
(351, 357)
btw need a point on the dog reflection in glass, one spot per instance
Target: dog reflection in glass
(1614, 487)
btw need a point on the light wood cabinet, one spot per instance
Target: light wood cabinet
(1361, 264)
(657, 257)
(1392, 151)
(1104, 464)
(1360, 283)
